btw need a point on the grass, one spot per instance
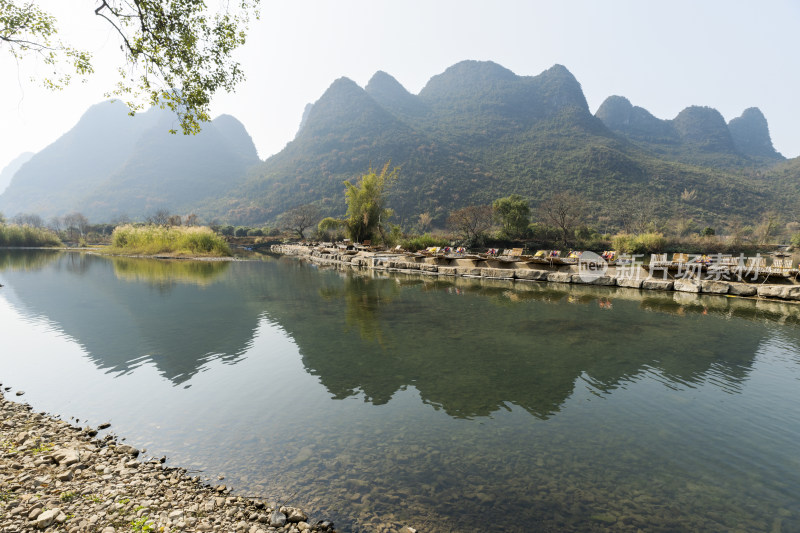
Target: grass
(142, 524)
(173, 240)
(14, 235)
(421, 242)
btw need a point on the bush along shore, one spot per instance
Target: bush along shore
(55, 477)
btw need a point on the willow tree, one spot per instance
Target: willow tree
(176, 53)
(366, 203)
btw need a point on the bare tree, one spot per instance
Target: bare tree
(174, 220)
(768, 227)
(76, 225)
(29, 219)
(565, 211)
(191, 220)
(160, 217)
(54, 224)
(471, 222)
(636, 214)
(300, 219)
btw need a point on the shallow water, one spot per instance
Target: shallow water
(444, 404)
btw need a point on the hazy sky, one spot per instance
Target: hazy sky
(729, 55)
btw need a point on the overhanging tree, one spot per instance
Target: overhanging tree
(177, 53)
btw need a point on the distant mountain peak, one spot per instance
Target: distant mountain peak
(383, 81)
(705, 128)
(750, 133)
(464, 76)
(619, 115)
(392, 96)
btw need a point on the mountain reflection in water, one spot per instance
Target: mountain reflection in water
(469, 346)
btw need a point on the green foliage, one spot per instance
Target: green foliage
(330, 228)
(366, 203)
(178, 53)
(708, 232)
(67, 496)
(13, 235)
(514, 214)
(421, 242)
(255, 232)
(240, 231)
(29, 31)
(143, 524)
(796, 240)
(181, 240)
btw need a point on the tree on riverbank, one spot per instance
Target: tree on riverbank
(565, 211)
(471, 223)
(366, 203)
(300, 219)
(514, 213)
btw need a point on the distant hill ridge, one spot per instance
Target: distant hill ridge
(478, 131)
(474, 133)
(110, 164)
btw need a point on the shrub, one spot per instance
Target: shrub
(638, 244)
(180, 240)
(255, 232)
(241, 231)
(14, 235)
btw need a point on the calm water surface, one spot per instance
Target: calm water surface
(444, 404)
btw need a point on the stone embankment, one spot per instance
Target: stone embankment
(58, 478)
(635, 277)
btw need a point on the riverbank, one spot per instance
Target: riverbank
(784, 289)
(55, 477)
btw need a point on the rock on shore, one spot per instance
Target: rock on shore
(58, 478)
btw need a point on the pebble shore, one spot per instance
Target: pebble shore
(55, 477)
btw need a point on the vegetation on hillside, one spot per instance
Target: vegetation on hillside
(478, 133)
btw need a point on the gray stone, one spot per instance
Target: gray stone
(791, 292)
(632, 283)
(47, 518)
(657, 284)
(468, 271)
(296, 515)
(770, 291)
(559, 277)
(503, 273)
(714, 287)
(277, 519)
(130, 450)
(607, 281)
(686, 285)
(531, 274)
(447, 271)
(742, 289)
(66, 456)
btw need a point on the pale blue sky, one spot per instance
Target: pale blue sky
(663, 56)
